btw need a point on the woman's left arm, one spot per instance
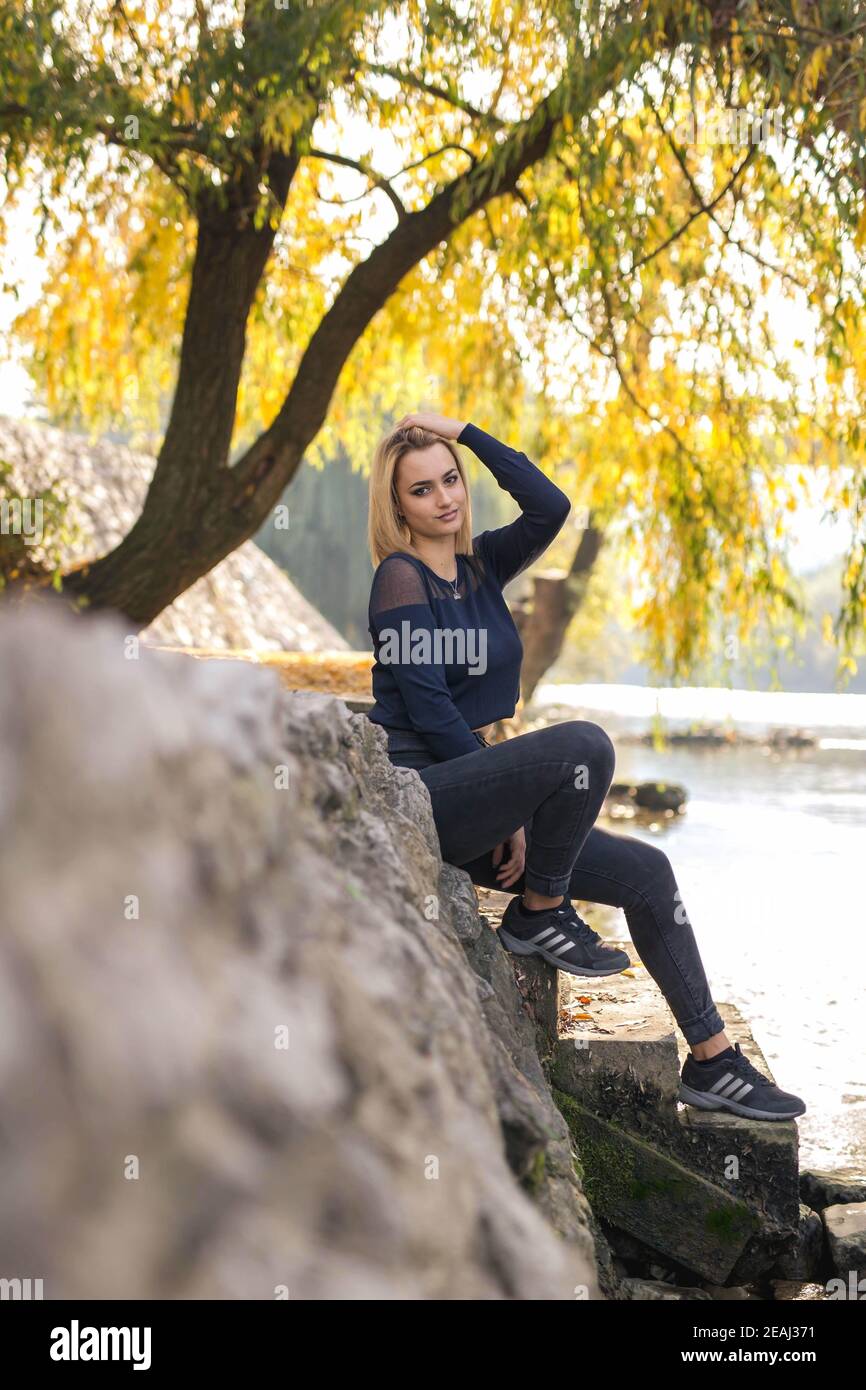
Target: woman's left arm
(543, 506)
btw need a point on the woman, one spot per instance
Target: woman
(519, 815)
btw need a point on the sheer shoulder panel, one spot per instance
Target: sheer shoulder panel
(400, 588)
(396, 583)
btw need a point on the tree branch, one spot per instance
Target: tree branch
(703, 210)
(446, 94)
(378, 180)
(707, 209)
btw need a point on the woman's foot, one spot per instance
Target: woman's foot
(562, 938)
(732, 1083)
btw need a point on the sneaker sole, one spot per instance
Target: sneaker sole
(750, 1112)
(525, 948)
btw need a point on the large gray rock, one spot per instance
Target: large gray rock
(254, 1037)
(246, 601)
(846, 1237)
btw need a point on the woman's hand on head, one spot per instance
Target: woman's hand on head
(436, 424)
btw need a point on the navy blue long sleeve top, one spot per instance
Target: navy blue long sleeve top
(446, 665)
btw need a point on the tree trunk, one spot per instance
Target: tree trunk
(544, 621)
(181, 532)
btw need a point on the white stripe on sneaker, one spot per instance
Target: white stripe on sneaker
(744, 1091)
(734, 1087)
(561, 950)
(722, 1081)
(534, 940)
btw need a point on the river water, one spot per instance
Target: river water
(770, 857)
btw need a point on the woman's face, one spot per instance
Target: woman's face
(430, 491)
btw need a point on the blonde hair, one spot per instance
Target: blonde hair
(385, 531)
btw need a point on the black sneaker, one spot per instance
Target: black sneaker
(562, 938)
(734, 1084)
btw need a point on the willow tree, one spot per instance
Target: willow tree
(181, 155)
(222, 106)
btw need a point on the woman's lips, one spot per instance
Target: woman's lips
(448, 516)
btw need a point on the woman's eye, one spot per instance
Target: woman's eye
(452, 478)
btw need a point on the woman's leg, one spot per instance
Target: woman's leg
(558, 776)
(637, 876)
(626, 872)
(474, 812)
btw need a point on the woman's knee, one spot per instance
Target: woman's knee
(590, 746)
(654, 868)
(645, 879)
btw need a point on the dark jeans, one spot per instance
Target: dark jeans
(553, 782)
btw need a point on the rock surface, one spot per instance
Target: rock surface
(256, 1041)
(820, 1187)
(245, 602)
(800, 1261)
(846, 1238)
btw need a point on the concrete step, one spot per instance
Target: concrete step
(612, 1047)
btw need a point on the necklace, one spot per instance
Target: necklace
(454, 584)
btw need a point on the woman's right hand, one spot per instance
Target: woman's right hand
(514, 865)
(436, 424)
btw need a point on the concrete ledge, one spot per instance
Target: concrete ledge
(617, 1050)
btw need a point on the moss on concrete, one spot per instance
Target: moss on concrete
(727, 1224)
(607, 1170)
(610, 1180)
